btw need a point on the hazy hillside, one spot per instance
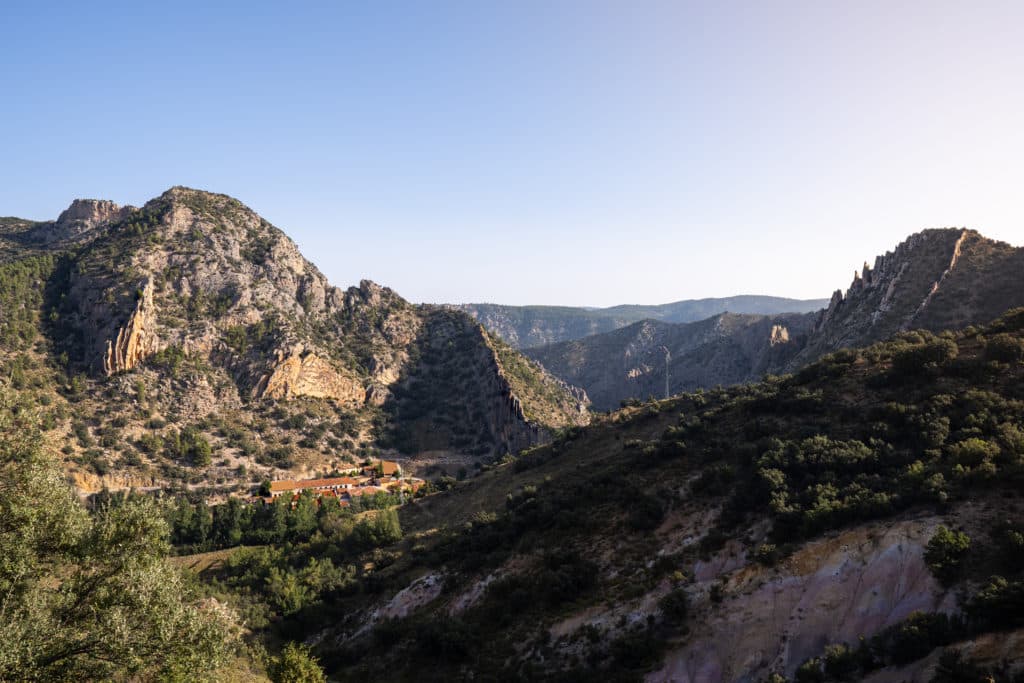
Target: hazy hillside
(860, 520)
(189, 340)
(631, 362)
(529, 326)
(934, 280)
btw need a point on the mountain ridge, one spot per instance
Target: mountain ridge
(935, 279)
(531, 326)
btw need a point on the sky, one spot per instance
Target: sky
(574, 152)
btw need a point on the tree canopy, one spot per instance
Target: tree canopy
(91, 596)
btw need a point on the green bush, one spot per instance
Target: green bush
(1004, 348)
(296, 665)
(973, 451)
(945, 554)
(1000, 604)
(929, 356)
(840, 662)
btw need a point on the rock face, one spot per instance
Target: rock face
(306, 374)
(832, 591)
(494, 394)
(530, 326)
(136, 339)
(79, 220)
(935, 280)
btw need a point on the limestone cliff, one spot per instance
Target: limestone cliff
(79, 220)
(136, 339)
(299, 373)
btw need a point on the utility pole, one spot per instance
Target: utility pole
(668, 357)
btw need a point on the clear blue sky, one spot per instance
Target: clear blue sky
(583, 152)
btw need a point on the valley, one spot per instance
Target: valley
(381, 490)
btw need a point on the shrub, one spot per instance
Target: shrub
(973, 451)
(767, 554)
(840, 662)
(916, 636)
(945, 553)
(1004, 348)
(953, 668)
(1000, 604)
(810, 672)
(928, 356)
(296, 665)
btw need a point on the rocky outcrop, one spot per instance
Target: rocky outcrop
(455, 394)
(779, 335)
(79, 220)
(934, 280)
(136, 339)
(302, 373)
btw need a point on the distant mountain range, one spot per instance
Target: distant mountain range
(934, 280)
(528, 326)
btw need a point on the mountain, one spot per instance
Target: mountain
(529, 326)
(861, 520)
(631, 362)
(193, 320)
(934, 280)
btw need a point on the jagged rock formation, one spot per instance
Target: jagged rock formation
(79, 220)
(779, 335)
(934, 280)
(530, 326)
(135, 341)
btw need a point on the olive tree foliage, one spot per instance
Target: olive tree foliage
(91, 596)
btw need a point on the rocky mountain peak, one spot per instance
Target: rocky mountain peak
(91, 211)
(80, 220)
(935, 279)
(198, 293)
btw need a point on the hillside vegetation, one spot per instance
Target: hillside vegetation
(188, 342)
(643, 544)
